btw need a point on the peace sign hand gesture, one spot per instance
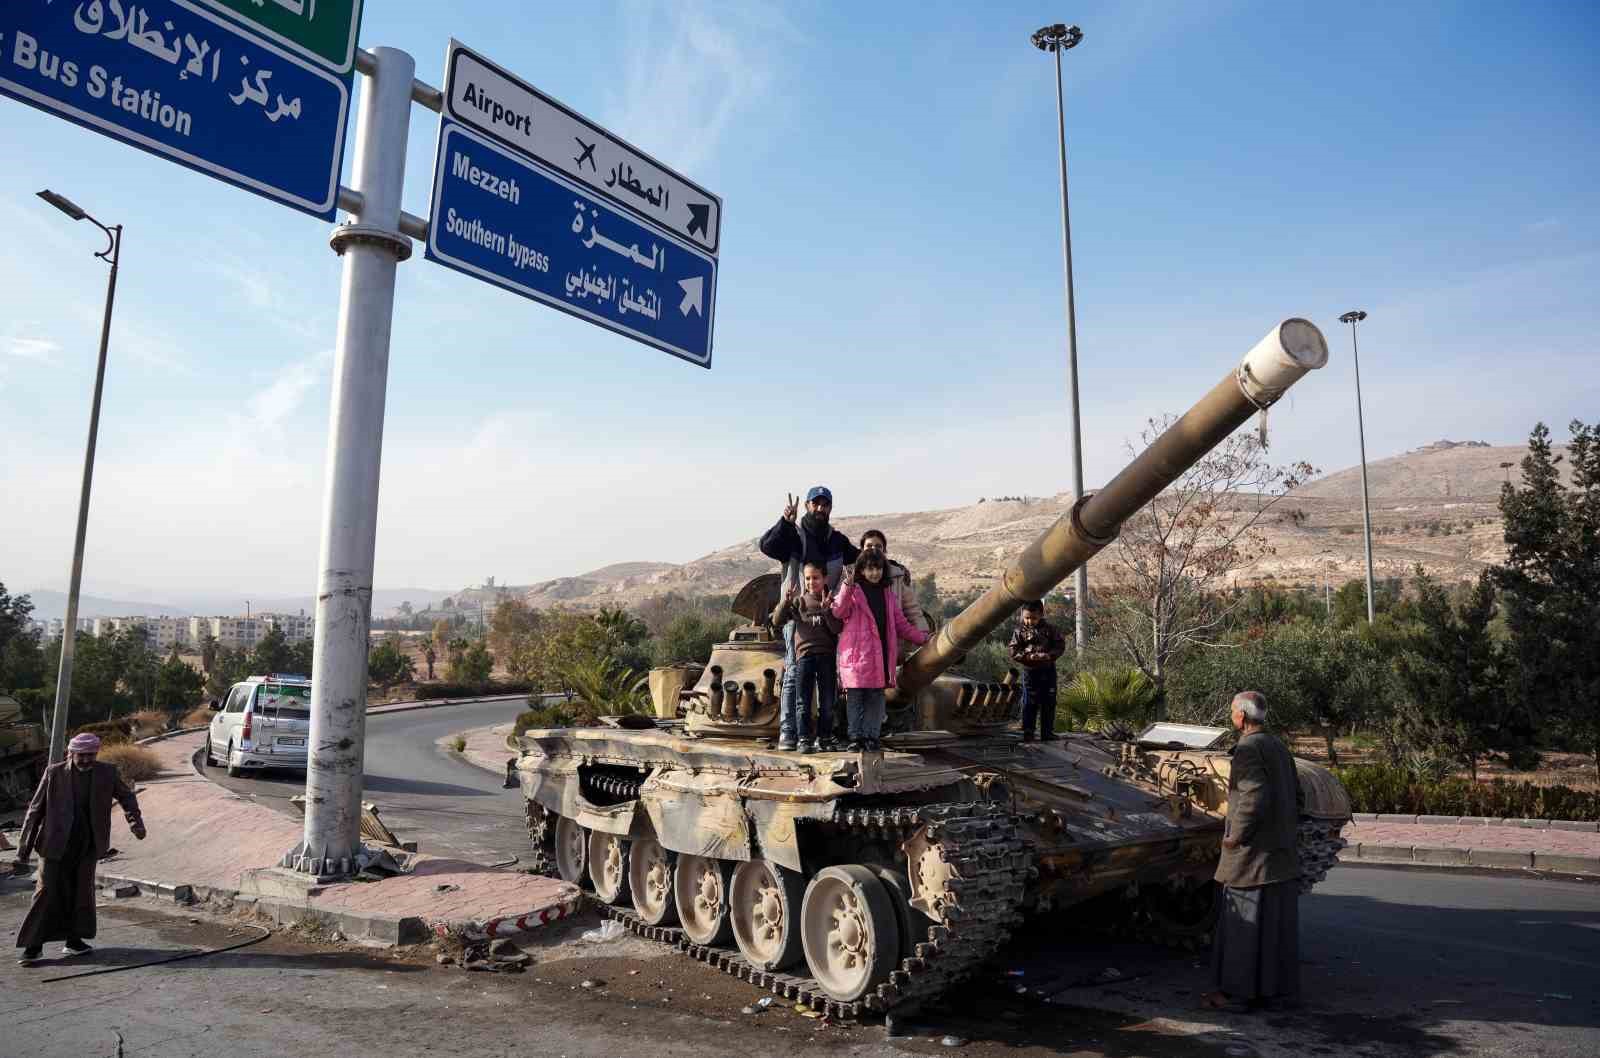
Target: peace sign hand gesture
(792, 508)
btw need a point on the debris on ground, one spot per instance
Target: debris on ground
(125, 889)
(592, 983)
(446, 887)
(610, 929)
(952, 1041)
(1110, 973)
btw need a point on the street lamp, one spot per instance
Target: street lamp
(1058, 38)
(110, 255)
(1354, 317)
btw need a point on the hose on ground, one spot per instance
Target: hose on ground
(265, 933)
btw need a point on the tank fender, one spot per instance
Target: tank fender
(690, 816)
(1326, 797)
(624, 820)
(552, 784)
(774, 822)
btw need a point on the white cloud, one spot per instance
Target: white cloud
(29, 348)
(281, 398)
(692, 68)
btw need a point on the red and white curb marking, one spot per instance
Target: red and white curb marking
(506, 925)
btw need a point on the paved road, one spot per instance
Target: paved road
(1397, 961)
(449, 807)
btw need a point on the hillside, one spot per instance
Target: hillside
(1435, 506)
(1442, 471)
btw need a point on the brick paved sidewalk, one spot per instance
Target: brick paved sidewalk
(1474, 845)
(208, 838)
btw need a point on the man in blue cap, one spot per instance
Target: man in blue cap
(794, 541)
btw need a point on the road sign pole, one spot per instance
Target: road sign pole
(371, 247)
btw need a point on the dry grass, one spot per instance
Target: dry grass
(147, 722)
(200, 716)
(134, 763)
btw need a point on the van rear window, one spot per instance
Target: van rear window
(285, 702)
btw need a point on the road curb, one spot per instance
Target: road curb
(1476, 859)
(509, 925)
(1582, 826)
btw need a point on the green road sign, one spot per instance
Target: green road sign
(324, 30)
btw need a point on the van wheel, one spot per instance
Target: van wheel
(211, 753)
(234, 771)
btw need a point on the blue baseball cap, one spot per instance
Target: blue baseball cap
(819, 492)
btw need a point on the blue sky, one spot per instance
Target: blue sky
(890, 314)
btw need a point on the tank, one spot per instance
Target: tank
(24, 749)
(856, 882)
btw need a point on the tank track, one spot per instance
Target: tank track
(1318, 846)
(991, 865)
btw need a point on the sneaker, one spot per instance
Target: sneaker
(1027, 736)
(786, 745)
(828, 745)
(874, 746)
(810, 747)
(31, 957)
(75, 947)
(856, 745)
(1050, 736)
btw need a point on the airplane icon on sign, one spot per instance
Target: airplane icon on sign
(587, 155)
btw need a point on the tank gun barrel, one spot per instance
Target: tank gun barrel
(1289, 350)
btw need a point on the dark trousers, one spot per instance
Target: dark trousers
(63, 899)
(865, 706)
(819, 671)
(1039, 699)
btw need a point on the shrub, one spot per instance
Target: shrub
(111, 732)
(200, 717)
(147, 722)
(1102, 700)
(134, 763)
(1386, 788)
(558, 715)
(459, 743)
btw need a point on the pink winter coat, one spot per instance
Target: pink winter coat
(860, 651)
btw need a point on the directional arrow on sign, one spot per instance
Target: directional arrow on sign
(693, 295)
(699, 217)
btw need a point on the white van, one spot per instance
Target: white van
(263, 722)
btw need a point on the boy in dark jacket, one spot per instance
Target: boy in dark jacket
(816, 645)
(1036, 645)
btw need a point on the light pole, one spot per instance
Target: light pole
(113, 250)
(1354, 317)
(1058, 38)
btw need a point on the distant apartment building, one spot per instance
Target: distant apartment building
(231, 633)
(296, 628)
(161, 633)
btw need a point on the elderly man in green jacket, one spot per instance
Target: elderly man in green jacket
(69, 822)
(1256, 956)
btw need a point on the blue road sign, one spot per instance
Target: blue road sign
(521, 226)
(179, 81)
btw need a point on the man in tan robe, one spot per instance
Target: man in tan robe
(1256, 956)
(69, 823)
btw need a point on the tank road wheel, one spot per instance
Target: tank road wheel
(650, 879)
(701, 889)
(848, 926)
(765, 904)
(572, 851)
(608, 867)
(899, 889)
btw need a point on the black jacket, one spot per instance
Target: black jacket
(786, 542)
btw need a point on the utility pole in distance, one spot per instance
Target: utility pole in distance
(69, 633)
(1058, 38)
(1354, 317)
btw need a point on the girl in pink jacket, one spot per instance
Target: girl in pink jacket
(868, 645)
